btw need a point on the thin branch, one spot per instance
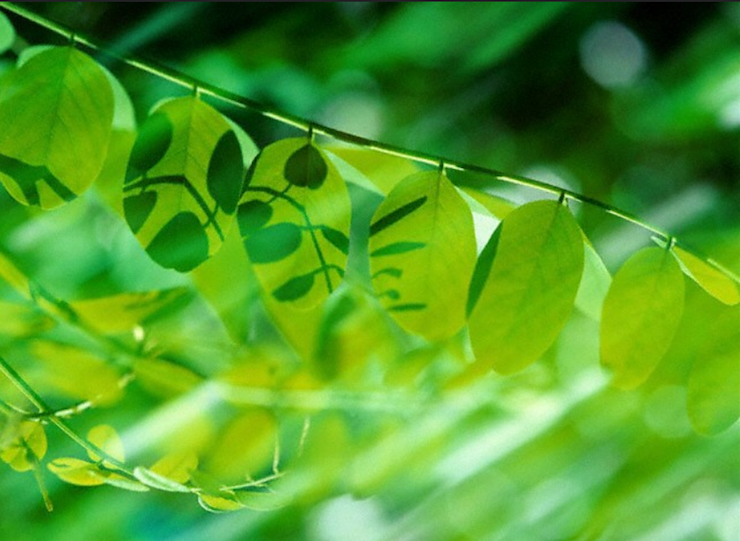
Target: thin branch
(183, 80)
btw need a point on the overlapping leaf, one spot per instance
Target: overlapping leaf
(422, 254)
(57, 112)
(710, 279)
(294, 217)
(641, 313)
(183, 181)
(518, 308)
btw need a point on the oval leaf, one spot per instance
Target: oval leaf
(176, 467)
(641, 313)
(306, 229)
(714, 381)
(28, 447)
(188, 156)
(422, 254)
(57, 114)
(154, 480)
(710, 279)
(77, 472)
(219, 504)
(530, 291)
(106, 439)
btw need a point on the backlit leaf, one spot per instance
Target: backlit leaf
(422, 254)
(76, 472)
(294, 217)
(714, 381)
(641, 313)
(712, 280)
(27, 448)
(176, 466)
(594, 285)
(57, 112)
(183, 180)
(220, 504)
(106, 439)
(531, 288)
(160, 482)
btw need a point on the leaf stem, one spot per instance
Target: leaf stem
(310, 127)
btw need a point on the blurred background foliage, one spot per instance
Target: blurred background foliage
(636, 105)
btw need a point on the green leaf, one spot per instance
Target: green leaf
(57, 112)
(77, 472)
(105, 438)
(714, 381)
(641, 313)
(7, 33)
(531, 288)
(27, 448)
(176, 467)
(160, 482)
(423, 233)
(294, 217)
(710, 279)
(220, 504)
(184, 177)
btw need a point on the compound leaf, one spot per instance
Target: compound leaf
(422, 254)
(57, 115)
(641, 313)
(294, 218)
(531, 288)
(710, 279)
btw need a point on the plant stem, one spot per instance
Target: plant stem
(311, 127)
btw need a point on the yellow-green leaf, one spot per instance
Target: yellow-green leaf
(641, 313)
(594, 284)
(107, 440)
(122, 312)
(57, 112)
(176, 466)
(27, 448)
(294, 218)
(164, 378)
(220, 504)
(160, 482)
(422, 254)
(714, 381)
(383, 171)
(710, 279)
(77, 472)
(183, 181)
(529, 294)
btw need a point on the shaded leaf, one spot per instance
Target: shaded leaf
(57, 112)
(295, 288)
(714, 381)
(27, 448)
(164, 378)
(641, 313)
(305, 230)
(531, 288)
(594, 285)
(424, 232)
(188, 155)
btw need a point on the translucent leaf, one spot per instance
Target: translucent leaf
(422, 254)
(220, 504)
(641, 313)
(262, 499)
(57, 112)
(163, 378)
(119, 481)
(7, 33)
(22, 320)
(714, 381)
(160, 482)
(383, 171)
(76, 373)
(183, 180)
(123, 312)
(10, 274)
(27, 448)
(76, 472)
(530, 291)
(498, 207)
(710, 279)
(176, 466)
(294, 217)
(106, 439)
(594, 284)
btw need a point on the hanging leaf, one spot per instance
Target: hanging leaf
(294, 217)
(223, 503)
(77, 472)
(106, 439)
(531, 288)
(714, 381)
(710, 279)
(422, 254)
(183, 181)
(641, 313)
(160, 482)
(57, 112)
(27, 448)
(176, 467)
